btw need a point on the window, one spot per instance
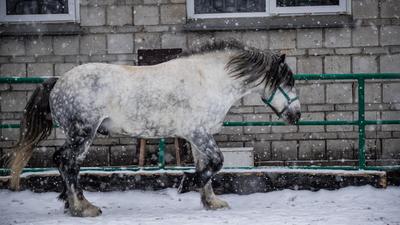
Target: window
(262, 8)
(39, 10)
(226, 8)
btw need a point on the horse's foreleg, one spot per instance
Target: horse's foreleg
(208, 160)
(68, 159)
(209, 200)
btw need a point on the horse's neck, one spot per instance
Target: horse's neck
(215, 68)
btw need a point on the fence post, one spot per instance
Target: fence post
(161, 153)
(361, 123)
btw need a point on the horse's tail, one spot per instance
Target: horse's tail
(35, 126)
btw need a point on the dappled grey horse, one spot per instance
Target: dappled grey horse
(186, 97)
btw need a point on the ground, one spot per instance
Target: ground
(352, 205)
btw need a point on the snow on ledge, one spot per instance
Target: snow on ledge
(224, 170)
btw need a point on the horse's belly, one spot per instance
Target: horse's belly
(141, 127)
(166, 125)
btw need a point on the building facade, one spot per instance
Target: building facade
(342, 36)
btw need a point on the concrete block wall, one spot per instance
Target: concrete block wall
(113, 31)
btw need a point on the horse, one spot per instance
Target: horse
(186, 97)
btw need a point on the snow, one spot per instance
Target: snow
(96, 170)
(352, 205)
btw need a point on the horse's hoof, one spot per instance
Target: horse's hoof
(86, 210)
(92, 211)
(215, 204)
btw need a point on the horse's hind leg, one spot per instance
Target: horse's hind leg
(79, 137)
(208, 160)
(58, 158)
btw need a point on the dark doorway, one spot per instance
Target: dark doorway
(148, 57)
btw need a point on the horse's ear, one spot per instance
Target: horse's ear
(282, 58)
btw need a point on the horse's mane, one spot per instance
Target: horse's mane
(250, 63)
(216, 45)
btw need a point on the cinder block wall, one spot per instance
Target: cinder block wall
(112, 31)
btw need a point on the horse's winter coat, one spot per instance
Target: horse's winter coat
(187, 97)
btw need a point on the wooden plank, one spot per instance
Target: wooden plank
(142, 152)
(177, 152)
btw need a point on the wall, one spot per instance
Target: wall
(112, 31)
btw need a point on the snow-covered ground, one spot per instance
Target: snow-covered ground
(352, 205)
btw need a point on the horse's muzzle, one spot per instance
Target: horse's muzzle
(292, 117)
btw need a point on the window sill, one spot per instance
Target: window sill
(40, 29)
(270, 23)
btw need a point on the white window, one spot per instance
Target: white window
(39, 11)
(263, 8)
(227, 8)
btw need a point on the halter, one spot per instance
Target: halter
(289, 100)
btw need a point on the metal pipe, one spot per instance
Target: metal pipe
(278, 123)
(345, 76)
(361, 123)
(22, 80)
(161, 154)
(351, 76)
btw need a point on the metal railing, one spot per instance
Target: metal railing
(361, 122)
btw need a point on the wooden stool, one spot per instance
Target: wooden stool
(142, 152)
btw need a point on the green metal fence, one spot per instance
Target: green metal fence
(361, 122)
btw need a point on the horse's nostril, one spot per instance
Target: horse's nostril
(298, 115)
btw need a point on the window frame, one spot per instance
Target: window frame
(192, 15)
(303, 10)
(72, 16)
(272, 10)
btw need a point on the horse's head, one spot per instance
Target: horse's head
(283, 99)
(255, 67)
